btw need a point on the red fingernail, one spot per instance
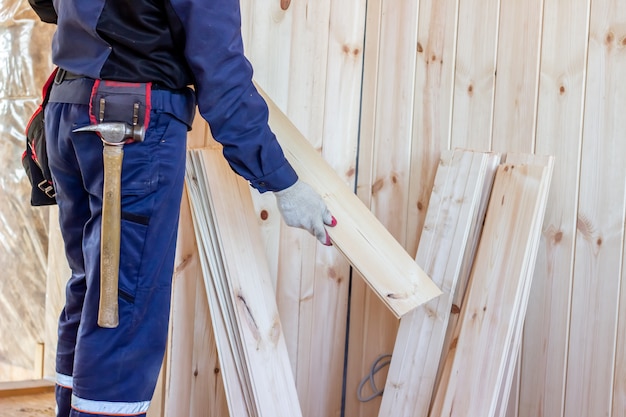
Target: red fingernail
(328, 242)
(334, 222)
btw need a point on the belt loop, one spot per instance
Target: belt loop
(60, 76)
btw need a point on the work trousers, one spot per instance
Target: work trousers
(103, 371)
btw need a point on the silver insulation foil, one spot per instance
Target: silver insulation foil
(24, 67)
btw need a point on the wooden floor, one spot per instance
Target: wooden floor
(27, 399)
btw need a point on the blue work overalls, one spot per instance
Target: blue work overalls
(114, 371)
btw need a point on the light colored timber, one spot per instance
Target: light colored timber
(451, 231)
(475, 74)
(243, 289)
(397, 280)
(192, 387)
(307, 56)
(57, 275)
(372, 327)
(559, 133)
(26, 387)
(432, 111)
(596, 359)
(517, 80)
(236, 382)
(507, 405)
(479, 356)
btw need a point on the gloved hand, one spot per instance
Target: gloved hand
(302, 207)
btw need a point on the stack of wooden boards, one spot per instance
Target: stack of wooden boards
(456, 355)
(443, 363)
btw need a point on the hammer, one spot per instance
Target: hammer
(113, 135)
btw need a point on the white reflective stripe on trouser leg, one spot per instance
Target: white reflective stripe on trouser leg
(65, 381)
(109, 407)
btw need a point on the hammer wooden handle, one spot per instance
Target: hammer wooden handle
(108, 315)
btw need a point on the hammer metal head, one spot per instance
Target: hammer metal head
(115, 133)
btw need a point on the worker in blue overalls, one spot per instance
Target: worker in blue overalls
(162, 46)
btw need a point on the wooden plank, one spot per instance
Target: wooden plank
(506, 405)
(451, 231)
(432, 114)
(57, 275)
(594, 384)
(191, 330)
(559, 133)
(619, 390)
(236, 383)
(208, 396)
(477, 361)
(475, 75)
(371, 333)
(517, 81)
(399, 282)
(246, 287)
(25, 387)
(178, 357)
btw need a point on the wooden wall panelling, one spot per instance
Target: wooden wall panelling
(57, 275)
(432, 113)
(372, 328)
(178, 361)
(301, 259)
(369, 92)
(517, 80)
(559, 133)
(592, 372)
(451, 232)
(321, 345)
(360, 294)
(475, 75)
(267, 30)
(476, 363)
(208, 396)
(313, 73)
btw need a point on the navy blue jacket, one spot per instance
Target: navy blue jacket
(176, 43)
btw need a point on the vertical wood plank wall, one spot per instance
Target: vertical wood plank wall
(381, 88)
(537, 76)
(308, 56)
(413, 79)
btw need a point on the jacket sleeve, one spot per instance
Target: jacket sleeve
(45, 10)
(227, 99)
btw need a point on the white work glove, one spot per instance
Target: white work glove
(302, 207)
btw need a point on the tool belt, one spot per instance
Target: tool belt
(82, 90)
(35, 158)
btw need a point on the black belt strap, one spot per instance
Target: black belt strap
(63, 75)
